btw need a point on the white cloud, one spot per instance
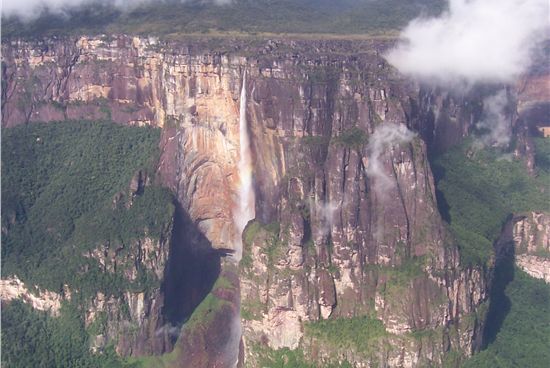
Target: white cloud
(31, 9)
(326, 211)
(168, 329)
(474, 41)
(385, 136)
(28, 10)
(498, 128)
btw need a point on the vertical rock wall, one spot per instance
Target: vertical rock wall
(327, 242)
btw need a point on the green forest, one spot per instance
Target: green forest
(262, 16)
(34, 339)
(479, 189)
(59, 182)
(524, 336)
(58, 185)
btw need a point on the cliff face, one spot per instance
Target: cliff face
(344, 227)
(131, 321)
(12, 288)
(110, 275)
(531, 235)
(192, 90)
(342, 241)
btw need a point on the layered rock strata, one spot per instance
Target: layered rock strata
(331, 239)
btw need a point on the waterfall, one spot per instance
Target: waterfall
(245, 210)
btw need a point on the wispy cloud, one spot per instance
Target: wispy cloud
(28, 10)
(474, 41)
(385, 136)
(495, 126)
(168, 329)
(325, 213)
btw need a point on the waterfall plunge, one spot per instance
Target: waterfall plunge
(245, 210)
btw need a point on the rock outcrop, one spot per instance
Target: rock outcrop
(129, 315)
(531, 234)
(132, 320)
(332, 238)
(44, 300)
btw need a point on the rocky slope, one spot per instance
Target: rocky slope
(12, 288)
(531, 236)
(343, 229)
(131, 318)
(133, 322)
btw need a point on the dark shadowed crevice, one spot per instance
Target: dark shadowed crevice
(535, 116)
(503, 274)
(421, 118)
(307, 238)
(442, 204)
(193, 268)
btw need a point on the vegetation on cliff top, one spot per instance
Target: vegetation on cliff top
(273, 16)
(58, 185)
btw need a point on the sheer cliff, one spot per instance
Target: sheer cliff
(347, 223)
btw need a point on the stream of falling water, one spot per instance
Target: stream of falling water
(246, 199)
(244, 210)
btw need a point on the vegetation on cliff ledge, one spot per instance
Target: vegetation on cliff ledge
(285, 357)
(360, 334)
(34, 339)
(478, 190)
(59, 181)
(202, 337)
(65, 191)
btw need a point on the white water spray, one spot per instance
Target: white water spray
(245, 210)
